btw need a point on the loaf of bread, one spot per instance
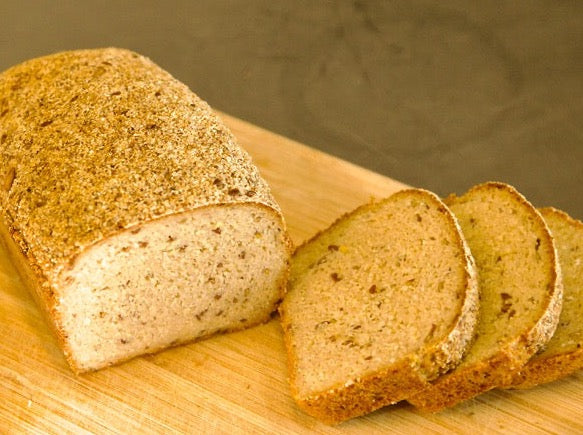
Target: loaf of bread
(563, 354)
(378, 304)
(137, 220)
(520, 292)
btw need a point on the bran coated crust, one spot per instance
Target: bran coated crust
(92, 116)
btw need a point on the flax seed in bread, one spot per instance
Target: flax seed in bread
(520, 292)
(378, 304)
(137, 219)
(563, 354)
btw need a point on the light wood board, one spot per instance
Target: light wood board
(236, 383)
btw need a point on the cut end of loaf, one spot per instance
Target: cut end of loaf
(171, 281)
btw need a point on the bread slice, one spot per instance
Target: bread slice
(137, 219)
(520, 292)
(378, 304)
(563, 354)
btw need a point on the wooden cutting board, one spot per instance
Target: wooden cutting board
(236, 383)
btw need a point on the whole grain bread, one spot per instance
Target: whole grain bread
(137, 219)
(520, 292)
(378, 304)
(563, 354)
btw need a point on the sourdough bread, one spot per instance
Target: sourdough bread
(520, 292)
(378, 304)
(128, 205)
(563, 354)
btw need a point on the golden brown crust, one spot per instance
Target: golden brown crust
(363, 396)
(543, 370)
(448, 391)
(402, 379)
(577, 224)
(39, 288)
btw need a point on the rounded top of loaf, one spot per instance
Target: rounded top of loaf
(96, 141)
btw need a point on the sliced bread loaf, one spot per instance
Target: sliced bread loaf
(563, 354)
(137, 219)
(378, 304)
(520, 292)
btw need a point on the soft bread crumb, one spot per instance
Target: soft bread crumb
(563, 354)
(520, 292)
(171, 281)
(378, 304)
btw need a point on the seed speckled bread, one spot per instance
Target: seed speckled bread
(378, 304)
(520, 292)
(128, 205)
(563, 354)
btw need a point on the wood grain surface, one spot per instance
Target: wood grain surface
(236, 383)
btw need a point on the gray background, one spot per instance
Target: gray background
(440, 95)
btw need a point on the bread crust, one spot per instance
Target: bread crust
(405, 377)
(78, 129)
(466, 382)
(543, 370)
